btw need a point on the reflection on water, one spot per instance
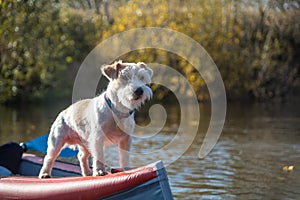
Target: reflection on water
(257, 141)
(27, 121)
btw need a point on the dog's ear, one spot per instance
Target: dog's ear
(143, 65)
(112, 71)
(118, 66)
(109, 71)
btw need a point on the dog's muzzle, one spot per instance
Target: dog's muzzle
(138, 93)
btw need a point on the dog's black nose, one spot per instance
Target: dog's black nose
(139, 91)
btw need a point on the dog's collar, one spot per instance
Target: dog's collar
(115, 111)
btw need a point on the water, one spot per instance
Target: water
(258, 140)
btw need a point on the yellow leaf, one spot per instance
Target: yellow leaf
(288, 168)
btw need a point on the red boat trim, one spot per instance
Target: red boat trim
(74, 187)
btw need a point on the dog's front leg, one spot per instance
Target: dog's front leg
(83, 155)
(124, 148)
(98, 158)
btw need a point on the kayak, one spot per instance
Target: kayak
(146, 182)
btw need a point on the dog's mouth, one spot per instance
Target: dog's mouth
(137, 97)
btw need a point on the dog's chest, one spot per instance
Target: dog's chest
(113, 138)
(114, 131)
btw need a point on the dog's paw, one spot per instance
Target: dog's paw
(90, 173)
(100, 173)
(86, 172)
(45, 175)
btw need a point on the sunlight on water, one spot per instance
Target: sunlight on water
(256, 143)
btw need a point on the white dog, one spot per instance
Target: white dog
(107, 119)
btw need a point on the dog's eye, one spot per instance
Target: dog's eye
(142, 78)
(124, 76)
(145, 79)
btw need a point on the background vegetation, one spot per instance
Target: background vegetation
(255, 44)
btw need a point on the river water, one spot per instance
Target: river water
(257, 142)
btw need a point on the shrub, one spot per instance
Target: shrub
(255, 45)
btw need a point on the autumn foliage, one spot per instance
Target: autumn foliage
(256, 46)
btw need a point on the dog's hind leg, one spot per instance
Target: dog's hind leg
(56, 142)
(83, 155)
(54, 148)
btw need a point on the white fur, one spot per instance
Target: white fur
(91, 125)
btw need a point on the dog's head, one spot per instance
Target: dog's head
(129, 83)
